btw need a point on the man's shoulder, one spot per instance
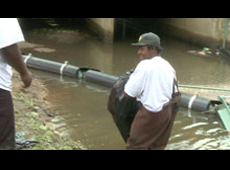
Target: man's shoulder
(152, 64)
(143, 66)
(10, 32)
(146, 63)
(6, 23)
(142, 63)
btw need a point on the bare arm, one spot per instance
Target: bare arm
(12, 55)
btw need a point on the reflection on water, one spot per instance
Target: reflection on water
(82, 106)
(198, 132)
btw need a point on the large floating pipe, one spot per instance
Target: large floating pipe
(189, 101)
(59, 68)
(101, 78)
(194, 102)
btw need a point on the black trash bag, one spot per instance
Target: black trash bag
(123, 109)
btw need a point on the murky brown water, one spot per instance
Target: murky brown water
(81, 106)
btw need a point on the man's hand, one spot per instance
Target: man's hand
(26, 79)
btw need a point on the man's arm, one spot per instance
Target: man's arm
(136, 83)
(12, 55)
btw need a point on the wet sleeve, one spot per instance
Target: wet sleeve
(10, 32)
(135, 85)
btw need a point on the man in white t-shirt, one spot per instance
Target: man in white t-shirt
(153, 84)
(10, 56)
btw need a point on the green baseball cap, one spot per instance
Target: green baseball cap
(149, 39)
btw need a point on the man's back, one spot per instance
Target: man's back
(152, 83)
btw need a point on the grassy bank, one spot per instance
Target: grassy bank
(33, 115)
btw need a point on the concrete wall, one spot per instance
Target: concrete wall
(104, 27)
(201, 31)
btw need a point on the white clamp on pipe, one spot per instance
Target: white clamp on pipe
(192, 100)
(27, 58)
(63, 67)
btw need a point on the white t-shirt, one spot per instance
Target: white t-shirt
(10, 33)
(152, 83)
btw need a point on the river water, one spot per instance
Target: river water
(82, 106)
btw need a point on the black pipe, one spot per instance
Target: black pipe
(95, 76)
(101, 78)
(198, 104)
(59, 68)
